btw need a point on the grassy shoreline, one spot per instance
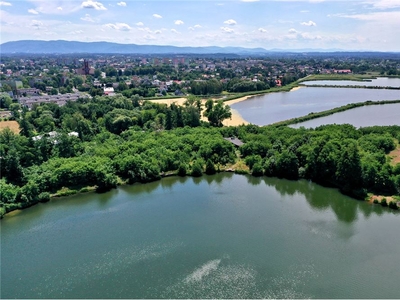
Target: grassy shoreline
(332, 111)
(238, 168)
(351, 77)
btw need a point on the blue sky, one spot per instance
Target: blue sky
(285, 24)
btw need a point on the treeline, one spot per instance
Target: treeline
(353, 160)
(237, 85)
(106, 141)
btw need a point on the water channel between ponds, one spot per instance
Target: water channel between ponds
(275, 107)
(220, 236)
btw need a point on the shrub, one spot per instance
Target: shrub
(241, 171)
(393, 205)
(182, 170)
(383, 202)
(257, 169)
(210, 168)
(376, 201)
(197, 169)
(44, 197)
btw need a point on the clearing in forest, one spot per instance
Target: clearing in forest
(13, 125)
(395, 155)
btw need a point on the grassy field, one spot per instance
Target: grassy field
(13, 125)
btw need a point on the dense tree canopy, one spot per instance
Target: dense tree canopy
(103, 141)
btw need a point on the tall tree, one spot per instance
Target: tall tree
(216, 113)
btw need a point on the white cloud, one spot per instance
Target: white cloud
(146, 29)
(293, 31)
(158, 32)
(157, 16)
(3, 3)
(87, 18)
(309, 23)
(304, 11)
(75, 32)
(118, 26)
(309, 36)
(121, 3)
(59, 8)
(227, 29)
(139, 24)
(93, 5)
(384, 4)
(175, 31)
(383, 17)
(149, 37)
(250, 0)
(36, 24)
(262, 30)
(32, 11)
(197, 26)
(178, 22)
(230, 22)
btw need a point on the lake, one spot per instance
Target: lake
(220, 236)
(380, 115)
(380, 82)
(275, 107)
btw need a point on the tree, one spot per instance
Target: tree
(5, 100)
(216, 113)
(287, 165)
(349, 172)
(12, 168)
(210, 168)
(197, 169)
(15, 108)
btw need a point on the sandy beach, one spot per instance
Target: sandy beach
(236, 119)
(178, 101)
(296, 88)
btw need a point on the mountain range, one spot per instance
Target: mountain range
(68, 47)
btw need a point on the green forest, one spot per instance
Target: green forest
(99, 143)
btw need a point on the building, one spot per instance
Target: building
(85, 70)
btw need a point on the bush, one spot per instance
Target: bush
(210, 168)
(197, 169)
(383, 202)
(44, 197)
(393, 205)
(376, 201)
(182, 170)
(257, 169)
(241, 171)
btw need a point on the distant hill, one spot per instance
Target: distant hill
(65, 47)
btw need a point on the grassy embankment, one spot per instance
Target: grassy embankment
(349, 77)
(352, 77)
(332, 111)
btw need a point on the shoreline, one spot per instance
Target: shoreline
(235, 120)
(369, 199)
